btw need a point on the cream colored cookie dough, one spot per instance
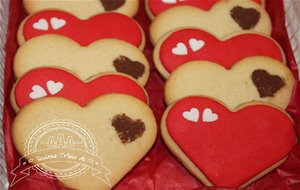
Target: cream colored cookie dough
(251, 79)
(108, 55)
(224, 18)
(105, 139)
(84, 8)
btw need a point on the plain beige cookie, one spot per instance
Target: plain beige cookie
(108, 55)
(104, 140)
(224, 18)
(155, 7)
(251, 79)
(84, 8)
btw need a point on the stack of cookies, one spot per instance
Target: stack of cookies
(82, 112)
(227, 88)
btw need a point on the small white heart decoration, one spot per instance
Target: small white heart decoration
(192, 115)
(196, 45)
(42, 24)
(37, 92)
(57, 23)
(180, 49)
(209, 116)
(169, 1)
(54, 87)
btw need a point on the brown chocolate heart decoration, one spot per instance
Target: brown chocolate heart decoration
(246, 18)
(111, 5)
(128, 129)
(125, 65)
(266, 84)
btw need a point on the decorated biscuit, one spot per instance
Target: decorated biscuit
(98, 143)
(186, 45)
(85, 32)
(84, 8)
(223, 19)
(251, 79)
(155, 7)
(227, 147)
(108, 55)
(48, 82)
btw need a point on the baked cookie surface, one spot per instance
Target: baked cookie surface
(251, 79)
(104, 139)
(107, 55)
(223, 19)
(84, 8)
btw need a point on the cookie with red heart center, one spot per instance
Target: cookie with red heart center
(98, 143)
(155, 7)
(223, 19)
(101, 26)
(48, 82)
(251, 79)
(84, 9)
(107, 55)
(227, 148)
(186, 45)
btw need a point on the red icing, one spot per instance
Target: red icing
(237, 146)
(225, 53)
(106, 25)
(74, 89)
(158, 6)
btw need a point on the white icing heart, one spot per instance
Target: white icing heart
(196, 45)
(54, 87)
(180, 49)
(37, 92)
(192, 115)
(42, 24)
(57, 23)
(169, 1)
(209, 116)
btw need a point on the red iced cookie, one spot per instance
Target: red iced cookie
(106, 25)
(228, 147)
(46, 82)
(187, 45)
(157, 6)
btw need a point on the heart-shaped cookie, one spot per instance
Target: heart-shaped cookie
(98, 143)
(85, 9)
(251, 79)
(235, 147)
(155, 7)
(43, 82)
(85, 32)
(201, 45)
(223, 19)
(107, 55)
